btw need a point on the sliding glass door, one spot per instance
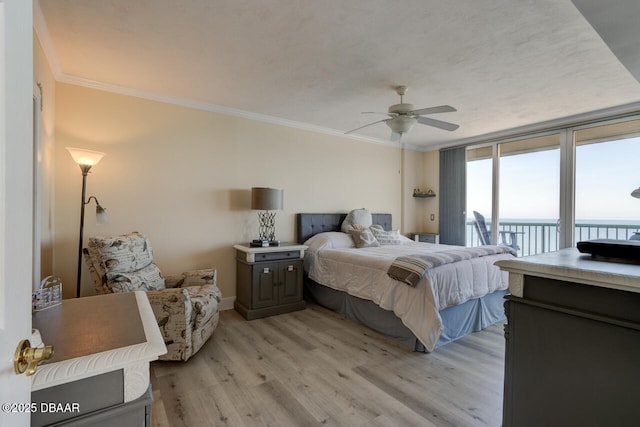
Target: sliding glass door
(529, 196)
(479, 191)
(606, 174)
(549, 191)
(526, 180)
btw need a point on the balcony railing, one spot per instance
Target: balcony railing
(539, 237)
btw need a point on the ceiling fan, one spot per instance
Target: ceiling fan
(402, 117)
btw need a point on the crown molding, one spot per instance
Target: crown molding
(214, 108)
(42, 32)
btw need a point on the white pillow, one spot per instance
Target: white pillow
(329, 240)
(357, 217)
(386, 237)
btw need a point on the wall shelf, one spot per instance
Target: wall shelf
(423, 195)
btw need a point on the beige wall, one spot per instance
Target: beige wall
(45, 159)
(183, 177)
(430, 169)
(420, 171)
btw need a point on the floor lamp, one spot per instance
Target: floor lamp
(85, 159)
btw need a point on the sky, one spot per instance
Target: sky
(606, 173)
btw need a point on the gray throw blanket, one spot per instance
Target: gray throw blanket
(410, 269)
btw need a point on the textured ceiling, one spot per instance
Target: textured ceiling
(502, 63)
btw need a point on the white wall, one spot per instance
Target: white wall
(183, 176)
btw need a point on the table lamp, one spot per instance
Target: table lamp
(267, 200)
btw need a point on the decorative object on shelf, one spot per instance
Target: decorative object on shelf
(86, 159)
(49, 294)
(266, 200)
(418, 193)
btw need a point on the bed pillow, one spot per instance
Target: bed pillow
(329, 240)
(356, 217)
(364, 238)
(386, 237)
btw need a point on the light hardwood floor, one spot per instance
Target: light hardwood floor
(313, 367)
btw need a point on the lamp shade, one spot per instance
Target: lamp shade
(401, 124)
(85, 157)
(101, 215)
(636, 193)
(266, 199)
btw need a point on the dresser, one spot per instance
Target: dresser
(268, 280)
(572, 341)
(98, 374)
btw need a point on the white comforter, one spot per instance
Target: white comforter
(333, 261)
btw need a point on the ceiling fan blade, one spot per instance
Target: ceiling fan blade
(370, 124)
(434, 110)
(438, 123)
(395, 136)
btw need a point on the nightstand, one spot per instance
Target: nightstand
(268, 280)
(426, 237)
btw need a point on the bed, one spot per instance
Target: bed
(354, 282)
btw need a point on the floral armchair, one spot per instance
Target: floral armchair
(185, 305)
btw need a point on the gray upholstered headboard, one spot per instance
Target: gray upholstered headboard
(310, 224)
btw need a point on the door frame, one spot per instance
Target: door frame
(16, 200)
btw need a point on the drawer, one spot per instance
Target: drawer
(272, 256)
(426, 237)
(91, 395)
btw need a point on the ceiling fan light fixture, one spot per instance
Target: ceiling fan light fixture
(403, 116)
(401, 124)
(404, 108)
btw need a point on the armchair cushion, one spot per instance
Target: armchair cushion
(126, 262)
(148, 278)
(122, 254)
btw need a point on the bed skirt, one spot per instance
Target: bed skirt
(460, 320)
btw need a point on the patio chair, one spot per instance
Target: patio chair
(507, 237)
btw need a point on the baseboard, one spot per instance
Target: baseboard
(227, 303)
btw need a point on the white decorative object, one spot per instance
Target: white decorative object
(49, 294)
